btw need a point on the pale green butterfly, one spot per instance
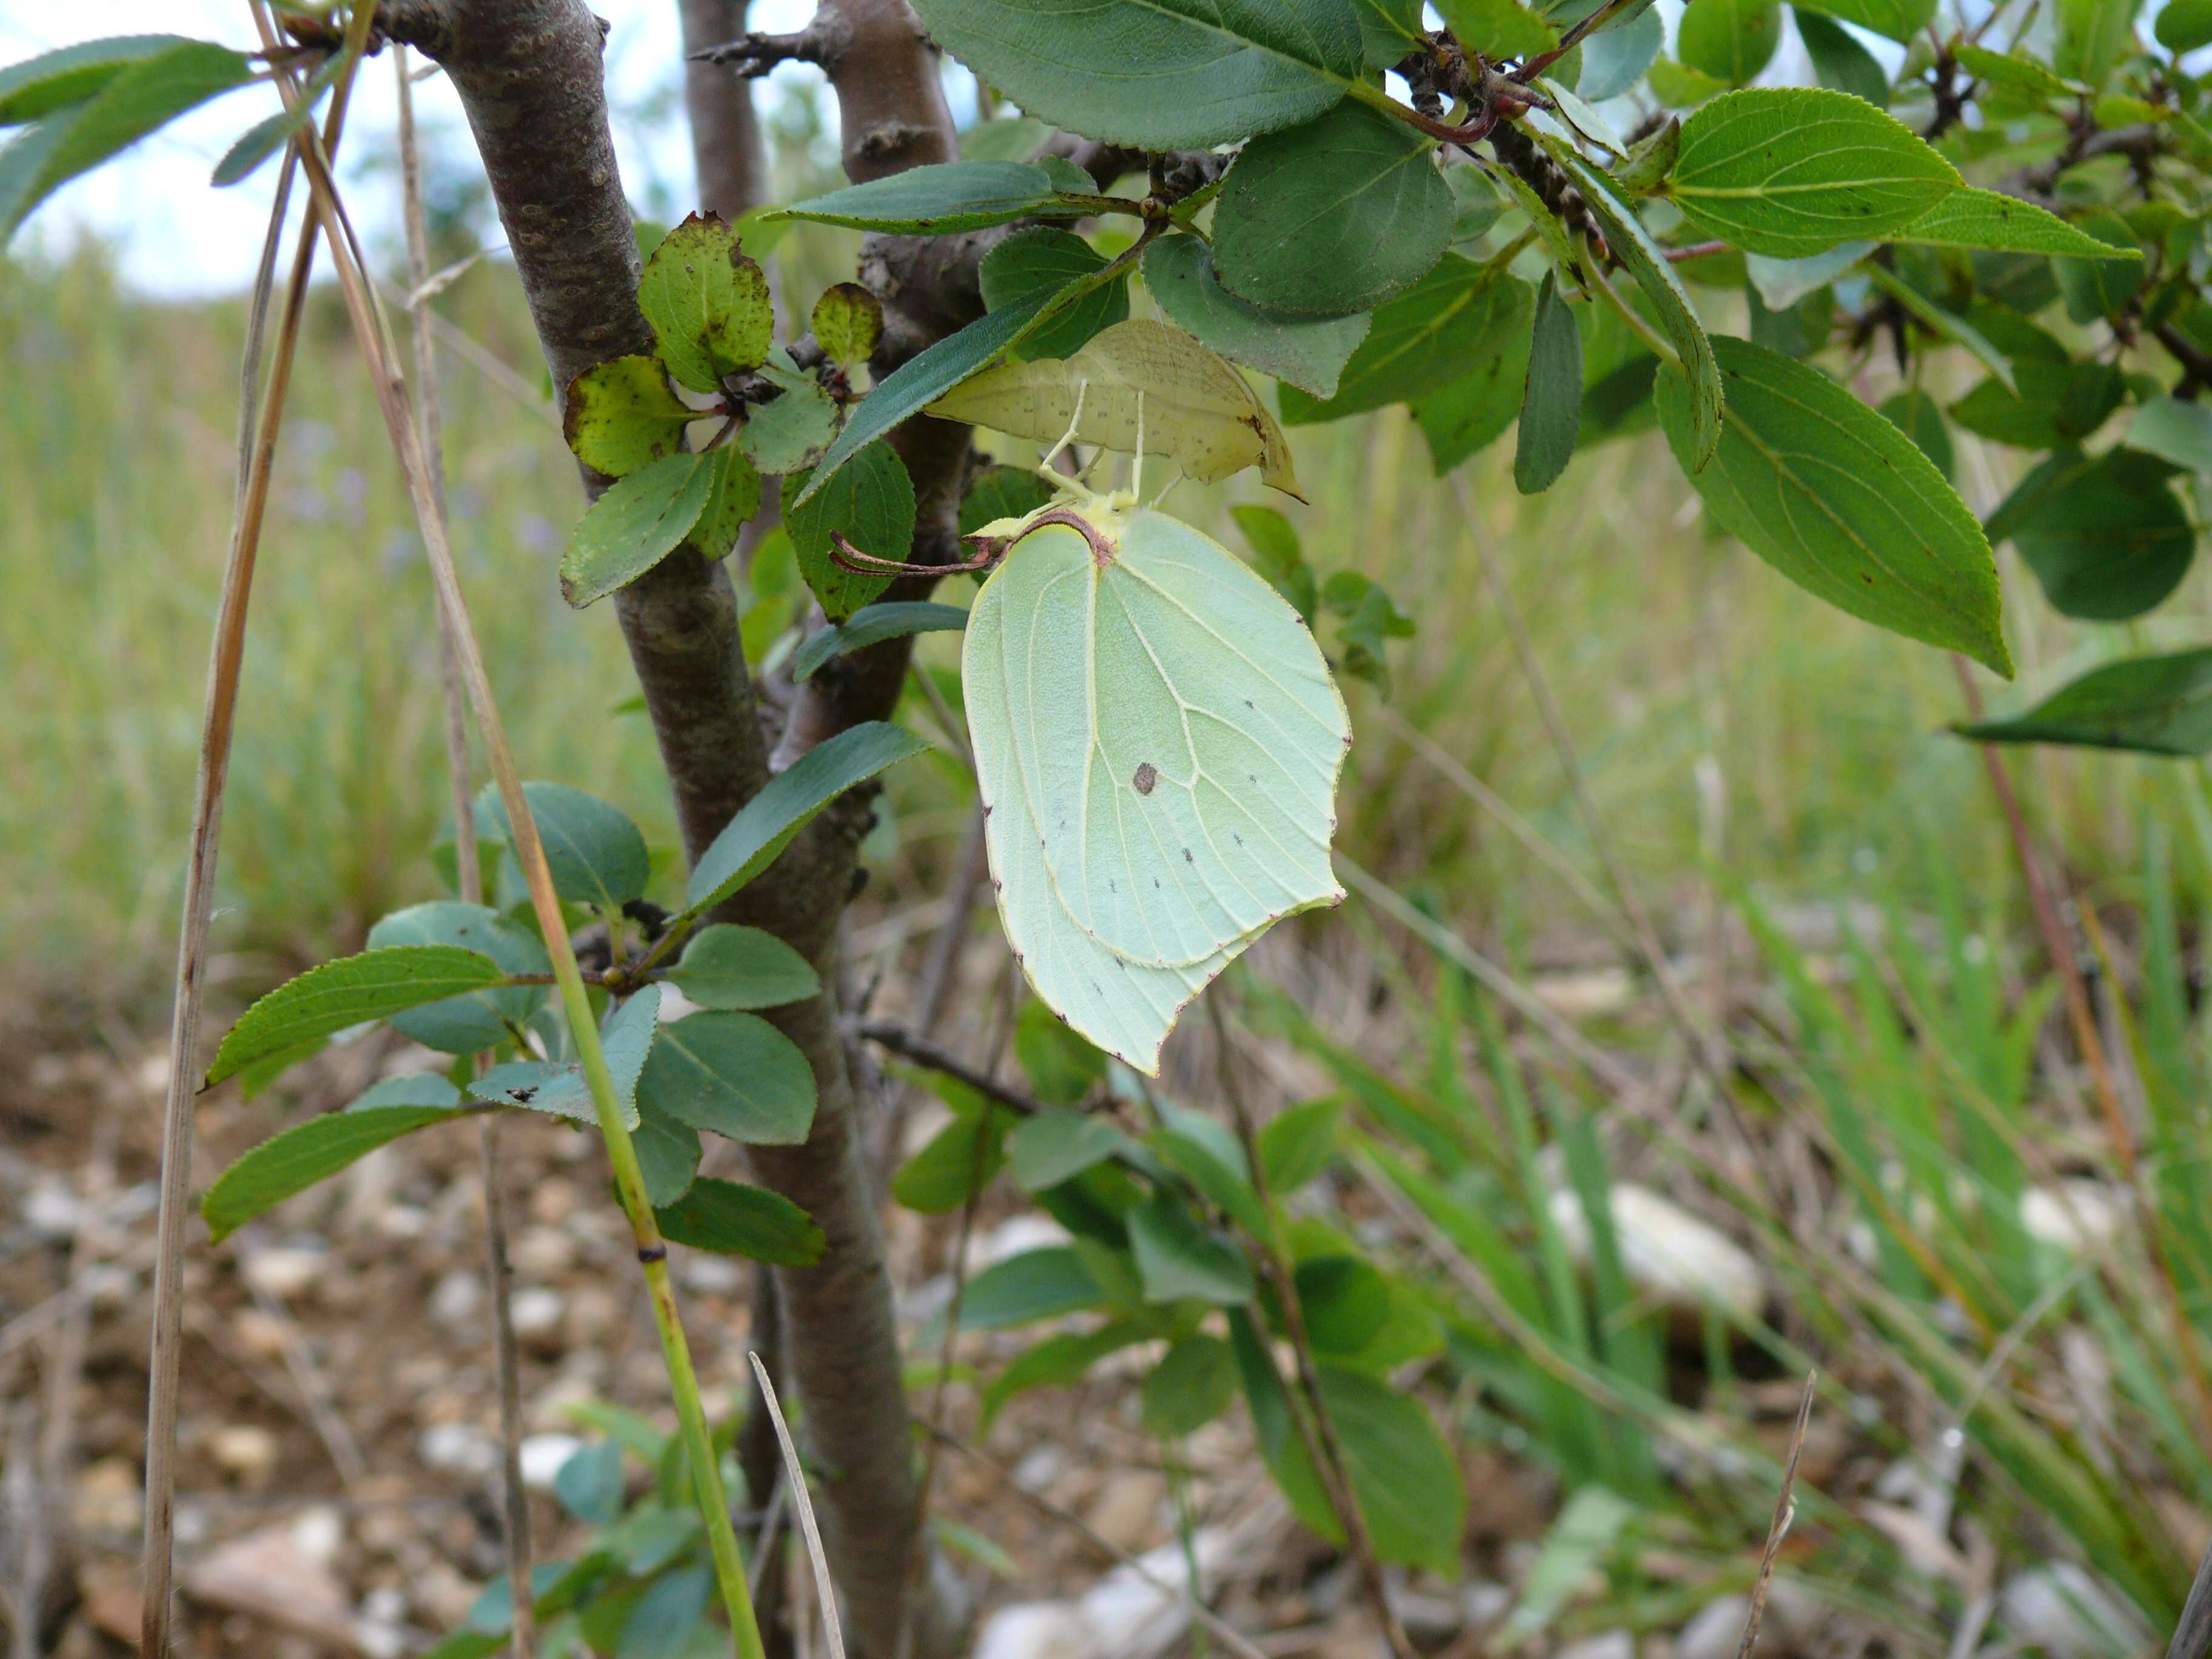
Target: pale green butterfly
(1157, 740)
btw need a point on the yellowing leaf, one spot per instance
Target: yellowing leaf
(1195, 408)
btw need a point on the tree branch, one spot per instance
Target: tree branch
(753, 54)
(725, 132)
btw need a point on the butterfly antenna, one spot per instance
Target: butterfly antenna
(1172, 484)
(1045, 466)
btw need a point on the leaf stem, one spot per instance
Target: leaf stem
(629, 1180)
(1651, 337)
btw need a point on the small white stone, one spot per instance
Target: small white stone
(245, 1449)
(542, 1455)
(2060, 1609)
(458, 1448)
(2076, 1216)
(1605, 1644)
(1666, 1250)
(285, 1272)
(1037, 1630)
(318, 1534)
(453, 1302)
(385, 1605)
(710, 1275)
(537, 1310)
(52, 1210)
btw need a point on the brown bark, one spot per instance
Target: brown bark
(725, 134)
(529, 74)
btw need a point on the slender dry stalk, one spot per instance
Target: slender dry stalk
(2081, 1014)
(374, 337)
(469, 878)
(217, 726)
(1785, 1512)
(1708, 1046)
(2192, 1635)
(1322, 1445)
(795, 1479)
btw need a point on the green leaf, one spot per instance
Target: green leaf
(621, 416)
(1000, 492)
(1680, 87)
(1282, 1444)
(847, 323)
(1899, 20)
(416, 1088)
(1793, 171)
(589, 1483)
(733, 495)
(1333, 216)
(788, 434)
(960, 1161)
(666, 1617)
(1297, 1144)
(640, 521)
(1841, 502)
(1058, 1360)
(147, 93)
(1839, 62)
(1058, 1145)
(2050, 404)
(1920, 419)
(1191, 1386)
(1551, 406)
(595, 854)
(707, 303)
(2104, 534)
(303, 1155)
(732, 1074)
(1470, 413)
(933, 201)
(1344, 1301)
(2151, 705)
(1159, 74)
(872, 625)
(1404, 1477)
(463, 1025)
(538, 1085)
(1061, 1067)
(870, 504)
(928, 376)
(732, 1219)
(1615, 59)
(1275, 551)
(1497, 28)
(1178, 1257)
(1985, 219)
(2184, 25)
(2174, 431)
(327, 999)
(726, 966)
(1388, 29)
(1420, 342)
(1306, 352)
(1633, 246)
(1211, 1162)
(764, 825)
(2098, 287)
(69, 75)
(2016, 71)
(2093, 35)
(265, 137)
(1730, 40)
(1041, 261)
(667, 1153)
(1034, 1284)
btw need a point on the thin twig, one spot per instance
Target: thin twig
(889, 1035)
(1785, 1510)
(1323, 1447)
(1230, 1636)
(795, 1478)
(468, 879)
(940, 970)
(218, 724)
